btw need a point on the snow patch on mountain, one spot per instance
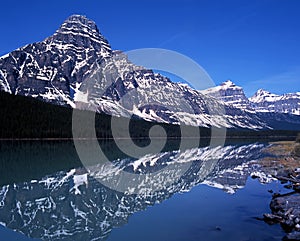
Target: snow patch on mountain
(264, 101)
(231, 94)
(261, 102)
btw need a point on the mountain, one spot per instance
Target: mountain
(261, 101)
(76, 67)
(140, 92)
(231, 94)
(75, 205)
(265, 101)
(279, 112)
(51, 69)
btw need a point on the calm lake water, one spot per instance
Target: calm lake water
(203, 193)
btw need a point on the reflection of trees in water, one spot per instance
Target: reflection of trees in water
(34, 159)
(50, 209)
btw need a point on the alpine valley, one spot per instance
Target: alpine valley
(76, 67)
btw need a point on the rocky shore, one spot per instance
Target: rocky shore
(285, 208)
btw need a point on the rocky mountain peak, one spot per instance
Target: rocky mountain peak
(228, 83)
(51, 69)
(262, 92)
(231, 94)
(77, 24)
(262, 95)
(79, 31)
(265, 101)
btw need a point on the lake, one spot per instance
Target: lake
(203, 193)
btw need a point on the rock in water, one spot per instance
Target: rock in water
(286, 211)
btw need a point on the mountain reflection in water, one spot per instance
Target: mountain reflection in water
(75, 205)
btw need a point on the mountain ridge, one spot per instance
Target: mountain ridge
(77, 67)
(261, 101)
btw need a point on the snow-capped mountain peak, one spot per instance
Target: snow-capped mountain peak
(78, 23)
(264, 101)
(49, 70)
(231, 94)
(263, 95)
(80, 31)
(228, 84)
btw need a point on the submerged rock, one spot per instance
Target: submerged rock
(286, 211)
(292, 236)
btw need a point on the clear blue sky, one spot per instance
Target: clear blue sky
(255, 43)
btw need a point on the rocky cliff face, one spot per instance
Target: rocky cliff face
(50, 70)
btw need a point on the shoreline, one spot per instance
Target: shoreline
(158, 138)
(285, 167)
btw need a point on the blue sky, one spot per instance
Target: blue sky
(255, 43)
